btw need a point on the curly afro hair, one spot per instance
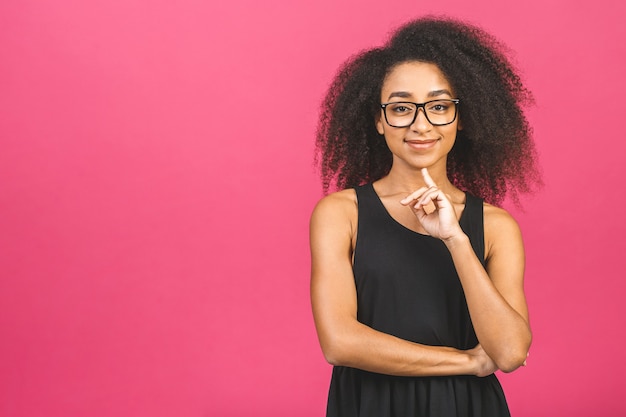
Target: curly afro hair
(494, 154)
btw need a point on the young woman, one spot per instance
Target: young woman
(417, 284)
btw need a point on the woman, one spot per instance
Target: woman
(417, 285)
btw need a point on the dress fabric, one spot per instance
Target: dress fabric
(407, 286)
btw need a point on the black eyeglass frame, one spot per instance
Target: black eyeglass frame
(456, 102)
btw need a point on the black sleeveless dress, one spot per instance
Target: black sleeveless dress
(407, 286)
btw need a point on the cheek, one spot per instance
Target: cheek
(452, 129)
(451, 136)
(393, 138)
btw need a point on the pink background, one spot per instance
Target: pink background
(156, 181)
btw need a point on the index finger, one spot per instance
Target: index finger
(427, 179)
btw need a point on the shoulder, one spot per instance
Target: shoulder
(336, 205)
(334, 222)
(337, 211)
(501, 230)
(496, 217)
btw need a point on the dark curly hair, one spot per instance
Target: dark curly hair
(494, 154)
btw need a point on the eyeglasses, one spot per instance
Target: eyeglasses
(403, 113)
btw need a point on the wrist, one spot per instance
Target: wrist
(456, 362)
(456, 240)
(474, 365)
(465, 361)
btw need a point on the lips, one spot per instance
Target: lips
(421, 144)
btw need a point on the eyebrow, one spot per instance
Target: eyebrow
(406, 94)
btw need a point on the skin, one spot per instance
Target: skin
(495, 295)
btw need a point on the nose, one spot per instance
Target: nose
(421, 123)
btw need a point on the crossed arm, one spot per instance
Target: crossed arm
(495, 298)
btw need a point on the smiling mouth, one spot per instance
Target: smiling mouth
(421, 145)
(421, 142)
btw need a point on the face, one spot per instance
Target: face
(420, 144)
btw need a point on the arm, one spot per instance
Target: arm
(344, 340)
(495, 294)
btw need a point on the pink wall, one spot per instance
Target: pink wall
(156, 183)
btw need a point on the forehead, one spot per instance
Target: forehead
(415, 77)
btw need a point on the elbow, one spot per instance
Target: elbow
(512, 357)
(511, 361)
(332, 358)
(334, 352)
(509, 366)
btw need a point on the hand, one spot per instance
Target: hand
(484, 365)
(442, 223)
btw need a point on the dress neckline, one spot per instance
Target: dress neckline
(393, 220)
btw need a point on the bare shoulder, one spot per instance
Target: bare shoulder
(336, 207)
(333, 229)
(501, 230)
(497, 218)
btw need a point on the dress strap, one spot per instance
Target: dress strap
(472, 223)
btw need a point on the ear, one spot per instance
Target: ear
(379, 125)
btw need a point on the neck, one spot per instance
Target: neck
(409, 180)
(402, 182)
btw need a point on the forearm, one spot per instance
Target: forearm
(358, 346)
(501, 330)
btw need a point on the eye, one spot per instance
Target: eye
(401, 108)
(439, 106)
